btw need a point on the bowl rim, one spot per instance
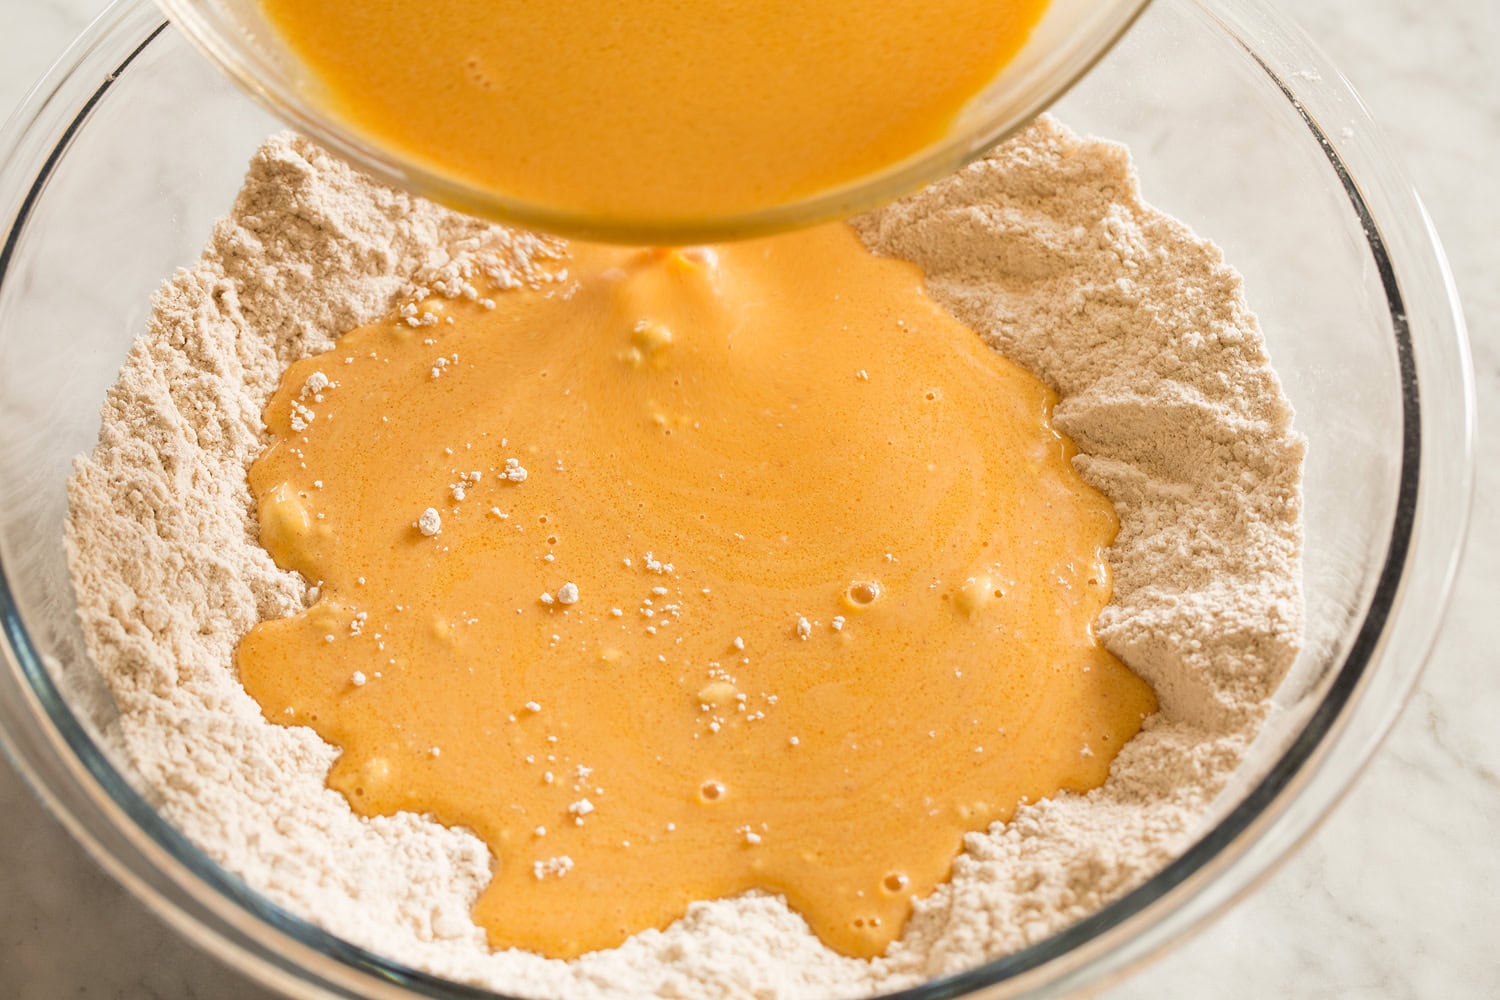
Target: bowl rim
(1090, 941)
(256, 75)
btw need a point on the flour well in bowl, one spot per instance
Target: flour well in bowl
(1044, 247)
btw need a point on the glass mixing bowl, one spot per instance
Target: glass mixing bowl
(117, 164)
(1071, 36)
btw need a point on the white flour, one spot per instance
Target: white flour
(1045, 248)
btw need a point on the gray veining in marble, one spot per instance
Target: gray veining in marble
(1397, 896)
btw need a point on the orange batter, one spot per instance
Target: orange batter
(653, 109)
(678, 574)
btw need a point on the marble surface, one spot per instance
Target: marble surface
(1398, 895)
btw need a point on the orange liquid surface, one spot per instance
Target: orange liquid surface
(745, 568)
(653, 109)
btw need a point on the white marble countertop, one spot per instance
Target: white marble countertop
(1398, 895)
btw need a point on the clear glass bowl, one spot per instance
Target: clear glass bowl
(1071, 36)
(117, 164)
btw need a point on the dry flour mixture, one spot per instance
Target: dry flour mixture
(1044, 247)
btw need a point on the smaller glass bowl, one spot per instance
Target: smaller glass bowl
(1071, 37)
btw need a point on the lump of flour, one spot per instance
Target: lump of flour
(1044, 247)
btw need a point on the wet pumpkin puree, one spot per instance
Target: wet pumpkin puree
(746, 568)
(653, 109)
